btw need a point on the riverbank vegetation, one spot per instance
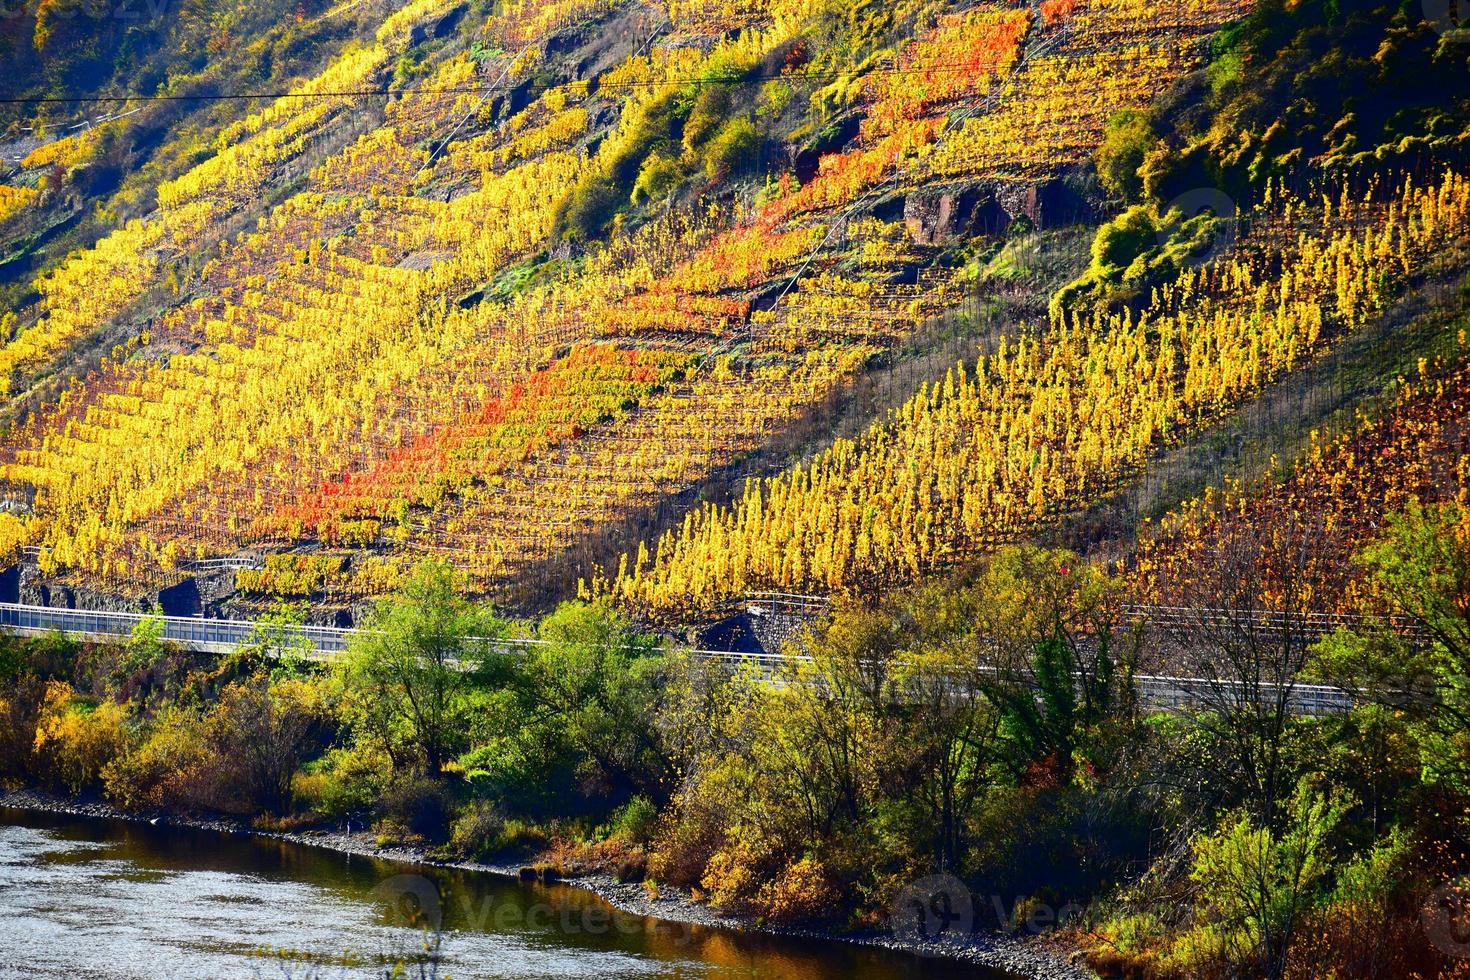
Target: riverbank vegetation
(993, 726)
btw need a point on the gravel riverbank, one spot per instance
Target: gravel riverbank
(1033, 957)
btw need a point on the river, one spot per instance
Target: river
(112, 899)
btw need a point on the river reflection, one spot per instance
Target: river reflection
(106, 899)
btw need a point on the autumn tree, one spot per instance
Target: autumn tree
(261, 732)
(1244, 624)
(1056, 653)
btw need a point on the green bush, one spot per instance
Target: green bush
(343, 782)
(1136, 251)
(732, 149)
(1256, 885)
(589, 207)
(519, 839)
(52, 656)
(602, 193)
(1128, 138)
(478, 830)
(13, 658)
(634, 822)
(705, 118)
(658, 177)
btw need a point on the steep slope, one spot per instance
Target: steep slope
(382, 306)
(1050, 425)
(1412, 450)
(1306, 254)
(592, 263)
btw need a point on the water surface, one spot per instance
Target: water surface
(111, 899)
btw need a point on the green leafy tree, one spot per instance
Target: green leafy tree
(1256, 885)
(146, 645)
(592, 686)
(276, 639)
(1128, 138)
(733, 148)
(411, 675)
(1059, 661)
(951, 728)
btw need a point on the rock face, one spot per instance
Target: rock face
(32, 590)
(776, 629)
(935, 216)
(939, 216)
(214, 587)
(35, 592)
(14, 151)
(192, 596)
(1055, 202)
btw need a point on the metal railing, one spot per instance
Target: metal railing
(211, 635)
(214, 564)
(324, 643)
(1175, 693)
(330, 643)
(1304, 623)
(783, 604)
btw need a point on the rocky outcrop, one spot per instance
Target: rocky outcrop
(1062, 201)
(935, 216)
(191, 596)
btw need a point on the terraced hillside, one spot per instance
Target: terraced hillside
(535, 289)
